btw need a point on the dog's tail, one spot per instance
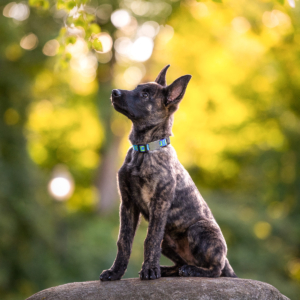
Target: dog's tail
(227, 270)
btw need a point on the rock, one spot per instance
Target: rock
(176, 288)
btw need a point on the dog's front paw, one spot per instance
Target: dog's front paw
(150, 273)
(109, 275)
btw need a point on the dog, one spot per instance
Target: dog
(154, 184)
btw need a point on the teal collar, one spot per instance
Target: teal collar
(144, 148)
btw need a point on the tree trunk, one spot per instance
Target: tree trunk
(107, 177)
(105, 180)
(164, 288)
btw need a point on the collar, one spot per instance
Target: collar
(144, 148)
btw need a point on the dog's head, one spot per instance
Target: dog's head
(151, 103)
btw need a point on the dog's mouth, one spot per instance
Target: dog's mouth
(112, 100)
(116, 103)
(120, 108)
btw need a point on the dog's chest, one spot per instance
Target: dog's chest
(144, 179)
(147, 193)
(144, 192)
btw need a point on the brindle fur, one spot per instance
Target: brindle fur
(156, 185)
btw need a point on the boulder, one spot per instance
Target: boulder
(173, 288)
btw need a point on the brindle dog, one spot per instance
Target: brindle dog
(156, 185)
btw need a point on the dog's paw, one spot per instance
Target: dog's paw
(186, 271)
(109, 275)
(150, 273)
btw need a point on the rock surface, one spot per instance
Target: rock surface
(177, 288)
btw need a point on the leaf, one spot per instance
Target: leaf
(62, 31)
(44, 4)
(71, 40)
(218, 1)
(60, 4)
(70, 5)
(79, 22)
(61, 49)
(94, 28)
(89, 18)
(68, 57)
(97, 45)
(281, 1)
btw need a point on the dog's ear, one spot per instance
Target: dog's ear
(176, 90)
(161, 78)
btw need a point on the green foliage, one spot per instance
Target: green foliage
(42, 4)
(94, 28)
(97, 45)
(71, 40)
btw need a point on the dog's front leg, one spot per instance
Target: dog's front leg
(129, 216)
(158, 214)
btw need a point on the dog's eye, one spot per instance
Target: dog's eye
(145, 95)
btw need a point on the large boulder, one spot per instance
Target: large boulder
(162, 289)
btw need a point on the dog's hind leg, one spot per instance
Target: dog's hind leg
(169, 252)
(228, 271)
(208, 249)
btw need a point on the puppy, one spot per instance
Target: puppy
(154, 184)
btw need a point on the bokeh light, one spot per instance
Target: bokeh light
(79, 48)
(165, 34)
(150, 9)
(270, 19)
(149, 29)
(141, 49)
(86, 66)
(240, 24)
(262, 230)
(292, 3)
(60, 188)
(133, 76)
(200, 10)
(51, 47)
(17, 11)
(104, 58)
(29, 42)
(103, 13)
(120, 18)
(122, 45)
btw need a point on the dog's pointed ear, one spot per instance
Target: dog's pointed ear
(161, 78)
(176, 90)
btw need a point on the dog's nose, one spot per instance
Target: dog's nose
(116, 93)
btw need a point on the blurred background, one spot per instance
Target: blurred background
(61, 143)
